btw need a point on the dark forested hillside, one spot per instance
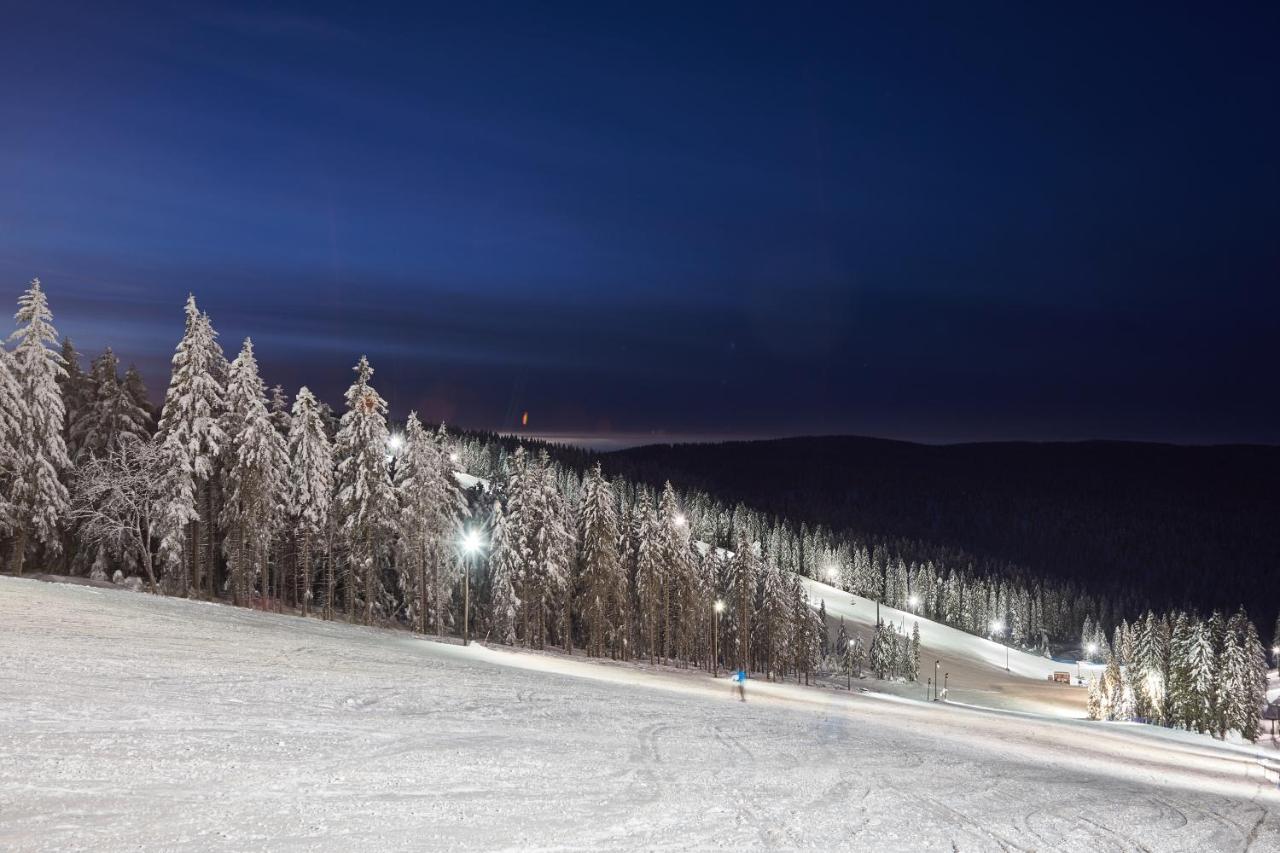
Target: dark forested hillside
(1179, 525)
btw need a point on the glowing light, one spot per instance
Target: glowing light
(680, 520)
(997, 626)
(395, 442)
(524, 419)
(832, 572)
(719, 606)
(913, 601)
(471, 542)
(453, 457)
(1093, 648)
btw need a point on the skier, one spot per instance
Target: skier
(740, 679)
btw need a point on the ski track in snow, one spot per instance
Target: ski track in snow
(131, 721)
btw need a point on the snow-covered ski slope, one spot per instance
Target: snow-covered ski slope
(129, 721)
(936, 636)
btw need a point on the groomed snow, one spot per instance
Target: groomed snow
(131, 721)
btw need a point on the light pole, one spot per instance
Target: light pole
(718, 607)
(849, 670)
(945, 676)
(997, 629)
(936, 664)
(470, 545)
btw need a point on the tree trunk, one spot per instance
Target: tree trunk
(19, 551)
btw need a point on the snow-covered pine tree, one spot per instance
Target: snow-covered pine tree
(310, 497)
(77, 398)
(742, 572)
(11, 419)
(137, 391)
(192, 435)
(504, 569)
(858, 656)
(599, 562)
(1243, 678)
(38, 495)
(648, 579)
(280, 410)
(881, 651)
(555, 550)
(429, 525)
(1201, 663)
(773, 618)
(110, 414)
(842, 641)
(254, 482)
(913, 668)
(366, 501)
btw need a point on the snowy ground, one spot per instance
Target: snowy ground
(130, 721)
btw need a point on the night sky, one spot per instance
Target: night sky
(945, 223)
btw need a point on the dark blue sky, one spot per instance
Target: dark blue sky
(943, 222)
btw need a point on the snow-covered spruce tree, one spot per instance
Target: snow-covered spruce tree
(366, 501)
(192, 436)
(648, 580)
(429, 522)
(254, 480)
(882, 651)
(913, 667)
(1243, 671)
(38, 496)
(599, 562)
(77, 397)
(681, 606)
(280, 410)
(110, 413)
(858, 656)
(310, 497)
(504, 569)
(774, 617)
(555, 550)
(1201, 670)
(742, 572)
(137, 390)
(11, 419)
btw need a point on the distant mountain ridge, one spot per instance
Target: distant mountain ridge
(1193, 525)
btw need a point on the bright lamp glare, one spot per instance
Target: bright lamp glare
(453, 457)
(719, 605)
(471, 542)
(913, 601)
(679, 520)
(395, 442)
(832, 572)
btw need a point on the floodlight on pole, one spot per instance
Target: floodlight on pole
(680, 520)
(471, 543)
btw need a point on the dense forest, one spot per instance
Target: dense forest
(1158, 526)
